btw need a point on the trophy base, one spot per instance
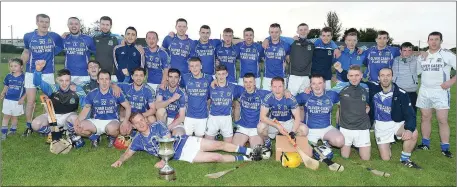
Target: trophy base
(169, 176)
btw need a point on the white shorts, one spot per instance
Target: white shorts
(49, 78)
(170, 120)
(154, 86)
(385, 131)
(12, 108)
(272, 132)
(297, 84)
(433, 98)
(247, 131)
(192, 125)
(358, 138)
(266, 83)
(190, 149)
(78, 80)
(100, 125)
(315, 135)
(216, 123)
(257, 82)
(61, 119)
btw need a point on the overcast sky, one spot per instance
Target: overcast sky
(405, 21)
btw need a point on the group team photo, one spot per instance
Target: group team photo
(177, 108)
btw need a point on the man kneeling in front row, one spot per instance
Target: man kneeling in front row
(187, 148)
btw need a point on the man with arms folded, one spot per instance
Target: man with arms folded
(171, 103)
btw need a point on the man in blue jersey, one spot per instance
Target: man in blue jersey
(78, 48)
(157, 61)
(65, 101)
(205, 49)
(105, 41)
(275, 57)
(39, 45)
(187, 148)
(276, 106)
(250, 54)
(318, 106)
(250, 101)
(197, 85)
(128, 56)
(227, 54)
(105, 107)
(171, 103)
(179, 47)
(222, 95)
(140, 96)
(379, 56)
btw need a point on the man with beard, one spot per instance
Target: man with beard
(77, 47)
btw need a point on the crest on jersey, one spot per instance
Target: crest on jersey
(187, 47)
(97, 41)
(111, 102)
(364, 98)
(205, 84)
(329, 52)
(279, 106)
(358, 57)
(327, 101)
(439, 60)
(387, 53)
(229, 94)
(81, 44)
(110, 42)
(49, 40)
(309, 47)
(72, 101)
(134, 53)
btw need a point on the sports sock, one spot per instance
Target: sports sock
(241, 150)
(404, 156)
(111, 138)
(44, 130)
(13, 128)
(426, 141)
(94, 137)
(444, 146)
(29, 125)
(242, 158)
(71, 128)
(4, 129)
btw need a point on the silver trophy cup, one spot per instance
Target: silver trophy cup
(166, 152)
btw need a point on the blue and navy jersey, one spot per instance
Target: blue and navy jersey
(227, 56)
(104, 106)
(127, 57)
(207, 54)
(318, 108)
(156, 62)
(77, 53)
(139, 99)
(64, 101)
(150, 144)
(222, 99)
(249, 58)
(275, 56)
(173, 108)
(279, 109)
(197, 91)
(323, 59)
(15, 86)
(250, 108)
(179, 51)
(383, 106)
(42, 48)
(349, 58)
(376, 59)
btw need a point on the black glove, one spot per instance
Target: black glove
(292, 135)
